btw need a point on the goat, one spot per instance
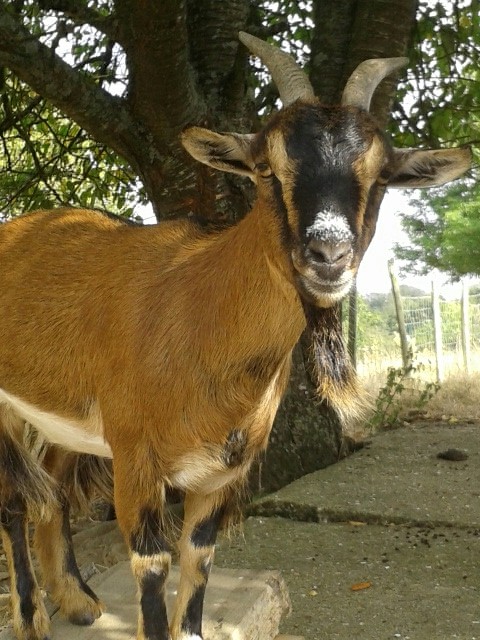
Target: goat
(167, 348)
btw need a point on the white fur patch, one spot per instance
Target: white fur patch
(330, 227)
(203, 472)
(76, 435)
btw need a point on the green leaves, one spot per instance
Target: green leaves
(49, 160)
(444, 231)
(440, 103)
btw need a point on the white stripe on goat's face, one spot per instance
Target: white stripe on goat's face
(325, 162)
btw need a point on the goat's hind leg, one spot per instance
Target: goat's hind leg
(54, 547)
(25, 490)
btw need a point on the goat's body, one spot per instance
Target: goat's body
(123, 361)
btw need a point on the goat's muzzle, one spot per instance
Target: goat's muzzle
(324, 270)
(329, 258)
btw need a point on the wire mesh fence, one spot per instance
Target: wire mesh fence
(442, 341)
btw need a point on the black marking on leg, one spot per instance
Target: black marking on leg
(13, 520)
(234, 448)
(205, 532)
(149, 538)
(71, 568)
(154, 611)
(192, 621)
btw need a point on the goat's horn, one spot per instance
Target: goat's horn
(365, 79)
(292, 82)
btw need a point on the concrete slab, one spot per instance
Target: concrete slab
(239, 605)
(396, 478)
(409, 583)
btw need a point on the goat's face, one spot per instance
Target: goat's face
(323, 170)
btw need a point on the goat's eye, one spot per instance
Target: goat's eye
(264, 169)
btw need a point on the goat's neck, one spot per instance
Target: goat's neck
(254, 293)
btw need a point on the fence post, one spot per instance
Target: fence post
(352, 324)
(397, 298)
(437, 332)
(465, 326)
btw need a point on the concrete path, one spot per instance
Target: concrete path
(383, 545)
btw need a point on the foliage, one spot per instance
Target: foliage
(49, 159)
(440, 105)
(444, 232)
(390, 401)
(439, 102)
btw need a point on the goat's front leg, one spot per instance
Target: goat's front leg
(202, 516)
(139, 504)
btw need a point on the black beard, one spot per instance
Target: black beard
(329, 362)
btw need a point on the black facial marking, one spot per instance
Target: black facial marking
(192, 622)
(205, 532)
(155, 623)
(234, 449)
(149, 538)
(13, 520)
(325, 142)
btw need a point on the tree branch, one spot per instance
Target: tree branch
(105, 117)
(162, 88)
(80, 14)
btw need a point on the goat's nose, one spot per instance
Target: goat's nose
(330, 253)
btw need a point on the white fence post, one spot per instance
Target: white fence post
(465, 326)
(402, 331)
(437, 332)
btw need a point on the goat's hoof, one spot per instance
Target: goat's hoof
(87, 614)
(83, 619)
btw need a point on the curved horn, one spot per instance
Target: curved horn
(365, 79)
(292, 82)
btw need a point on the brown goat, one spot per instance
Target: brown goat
(167, 347)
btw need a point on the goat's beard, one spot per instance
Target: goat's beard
(329, 363)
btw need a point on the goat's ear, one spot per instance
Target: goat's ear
(224, 151)
(429, 168)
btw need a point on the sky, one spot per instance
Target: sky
(373, 272)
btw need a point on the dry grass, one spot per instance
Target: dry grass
(458, 400)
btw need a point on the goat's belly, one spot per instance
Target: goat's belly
(76, 435)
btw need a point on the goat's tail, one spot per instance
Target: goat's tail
(85, 477)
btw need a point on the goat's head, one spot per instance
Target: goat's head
(324, 169)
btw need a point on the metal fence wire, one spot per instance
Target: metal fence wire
(442, 342)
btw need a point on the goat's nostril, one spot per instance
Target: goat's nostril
(329, 252)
